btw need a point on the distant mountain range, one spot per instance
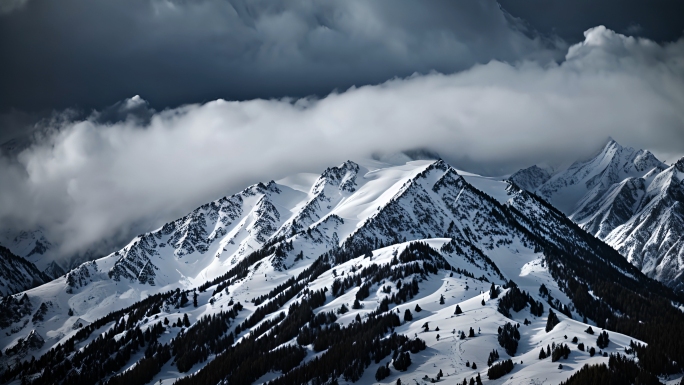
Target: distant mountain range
(366, 273)
(627, 198)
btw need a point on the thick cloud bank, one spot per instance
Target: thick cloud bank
(93, 180)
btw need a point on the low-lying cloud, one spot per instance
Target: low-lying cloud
(101, 181)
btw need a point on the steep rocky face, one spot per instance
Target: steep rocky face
(18, 274)
(530, 178)
(653, 238)
(54, 270)
(629, 199)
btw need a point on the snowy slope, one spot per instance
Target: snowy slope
(627, 198)
(262, 244)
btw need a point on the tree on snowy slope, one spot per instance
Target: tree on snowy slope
(552, 321)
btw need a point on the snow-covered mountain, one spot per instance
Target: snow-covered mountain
(333, 278)
(34, 247)
(18, 274)
(627, 198)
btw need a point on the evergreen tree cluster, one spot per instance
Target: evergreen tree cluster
(93, 362)
(508, 338)
(493, 356)
(517, 300)
(13, 309)
(308, 333)
(207, 336)
(382, 373)
(602, 340)
(500, 369)
(351, 349)
(560, 350)
(621, 370)
(262, 354)
(402, 362)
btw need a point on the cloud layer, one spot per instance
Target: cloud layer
(92, 181)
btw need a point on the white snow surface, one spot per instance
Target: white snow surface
(316, 214)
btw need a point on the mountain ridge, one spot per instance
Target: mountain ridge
(627, 198)
(274, 265)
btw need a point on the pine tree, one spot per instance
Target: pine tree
(471, 333)
(542, 354)
(194, 298)
(458, 310)
(478, 380)
(382, 373)
(357, 304)
(186, 320)
(426, 327)
(493, 291)
(552, 321)
(408, 316)
(441, 299)
(483, 302)
(418, 309)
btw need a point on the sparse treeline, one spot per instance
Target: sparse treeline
(517, 300)
(351, 349)
(62, 364)
(621, 370)
(629, 303)
(261, 353)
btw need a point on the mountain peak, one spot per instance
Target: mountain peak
(679, 165)
(343, 176)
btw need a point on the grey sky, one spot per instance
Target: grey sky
(89, 54)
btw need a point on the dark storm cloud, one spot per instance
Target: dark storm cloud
(90, 54)
(658, 20)
(89, 180)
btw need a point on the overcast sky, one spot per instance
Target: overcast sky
(231, 93)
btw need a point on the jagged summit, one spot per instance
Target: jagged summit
(628, 198)
(339, 270)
